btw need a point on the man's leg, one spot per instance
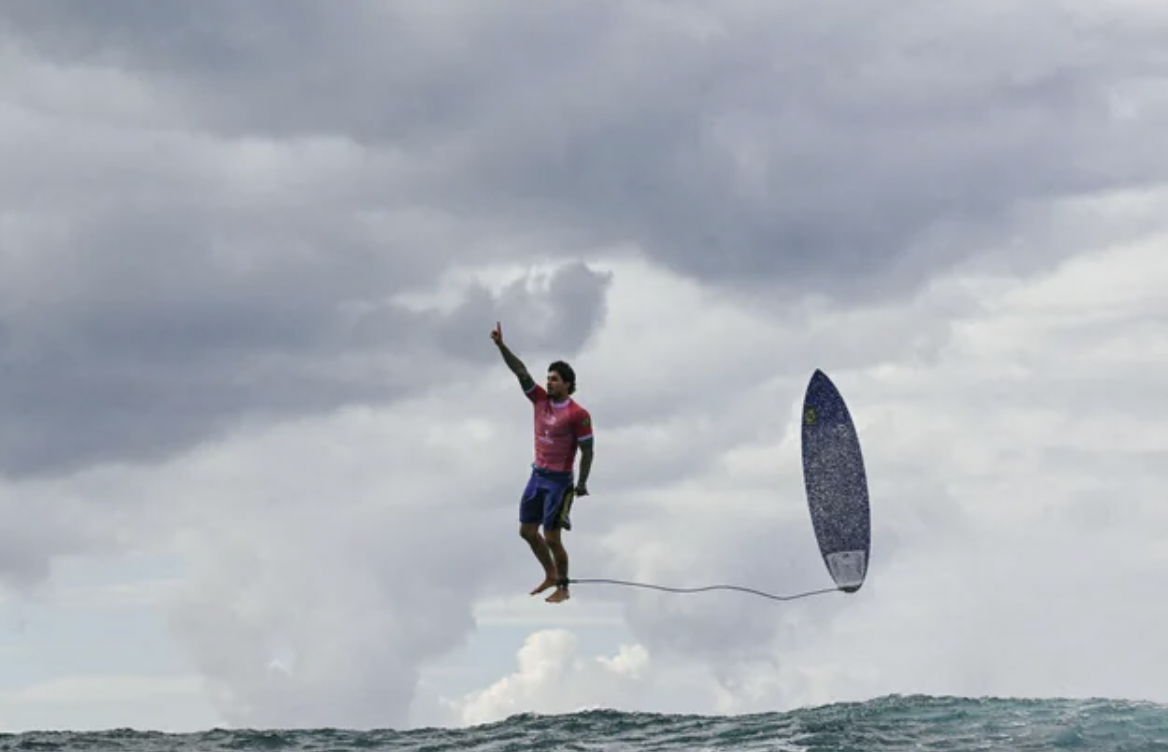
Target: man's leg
(530, 533)
(556, 520)
(560, 557)
(531, 513)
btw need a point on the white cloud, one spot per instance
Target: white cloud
(551, 678)
(523, 610)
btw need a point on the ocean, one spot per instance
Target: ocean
(892, 724)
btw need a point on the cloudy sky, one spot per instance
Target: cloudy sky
(260, 462)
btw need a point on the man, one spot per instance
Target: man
(561, 427)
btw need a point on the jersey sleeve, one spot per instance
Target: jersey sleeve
(536, 394)
(583, 425)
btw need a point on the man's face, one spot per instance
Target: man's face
(557, 388)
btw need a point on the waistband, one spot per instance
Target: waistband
(543, 472)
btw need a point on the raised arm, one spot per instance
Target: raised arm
(514, 363)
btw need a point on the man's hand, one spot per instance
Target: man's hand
(581, 489)
(514, 363)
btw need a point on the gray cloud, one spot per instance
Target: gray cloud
(853, 151)
(145, 377)
(686, 131)
(171, 279)
(160, 311)
(553, 314)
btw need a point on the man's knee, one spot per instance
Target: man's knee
(553, 538)
(529, 532)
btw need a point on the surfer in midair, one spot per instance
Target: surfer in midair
(562, 426)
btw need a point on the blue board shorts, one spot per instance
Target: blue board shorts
(548, 499)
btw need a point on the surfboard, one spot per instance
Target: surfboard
(836, 483)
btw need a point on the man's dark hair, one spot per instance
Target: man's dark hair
(566, 373)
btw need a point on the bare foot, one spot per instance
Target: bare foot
(547, 583)
(559, 596)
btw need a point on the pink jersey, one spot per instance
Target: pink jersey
(559, 429)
